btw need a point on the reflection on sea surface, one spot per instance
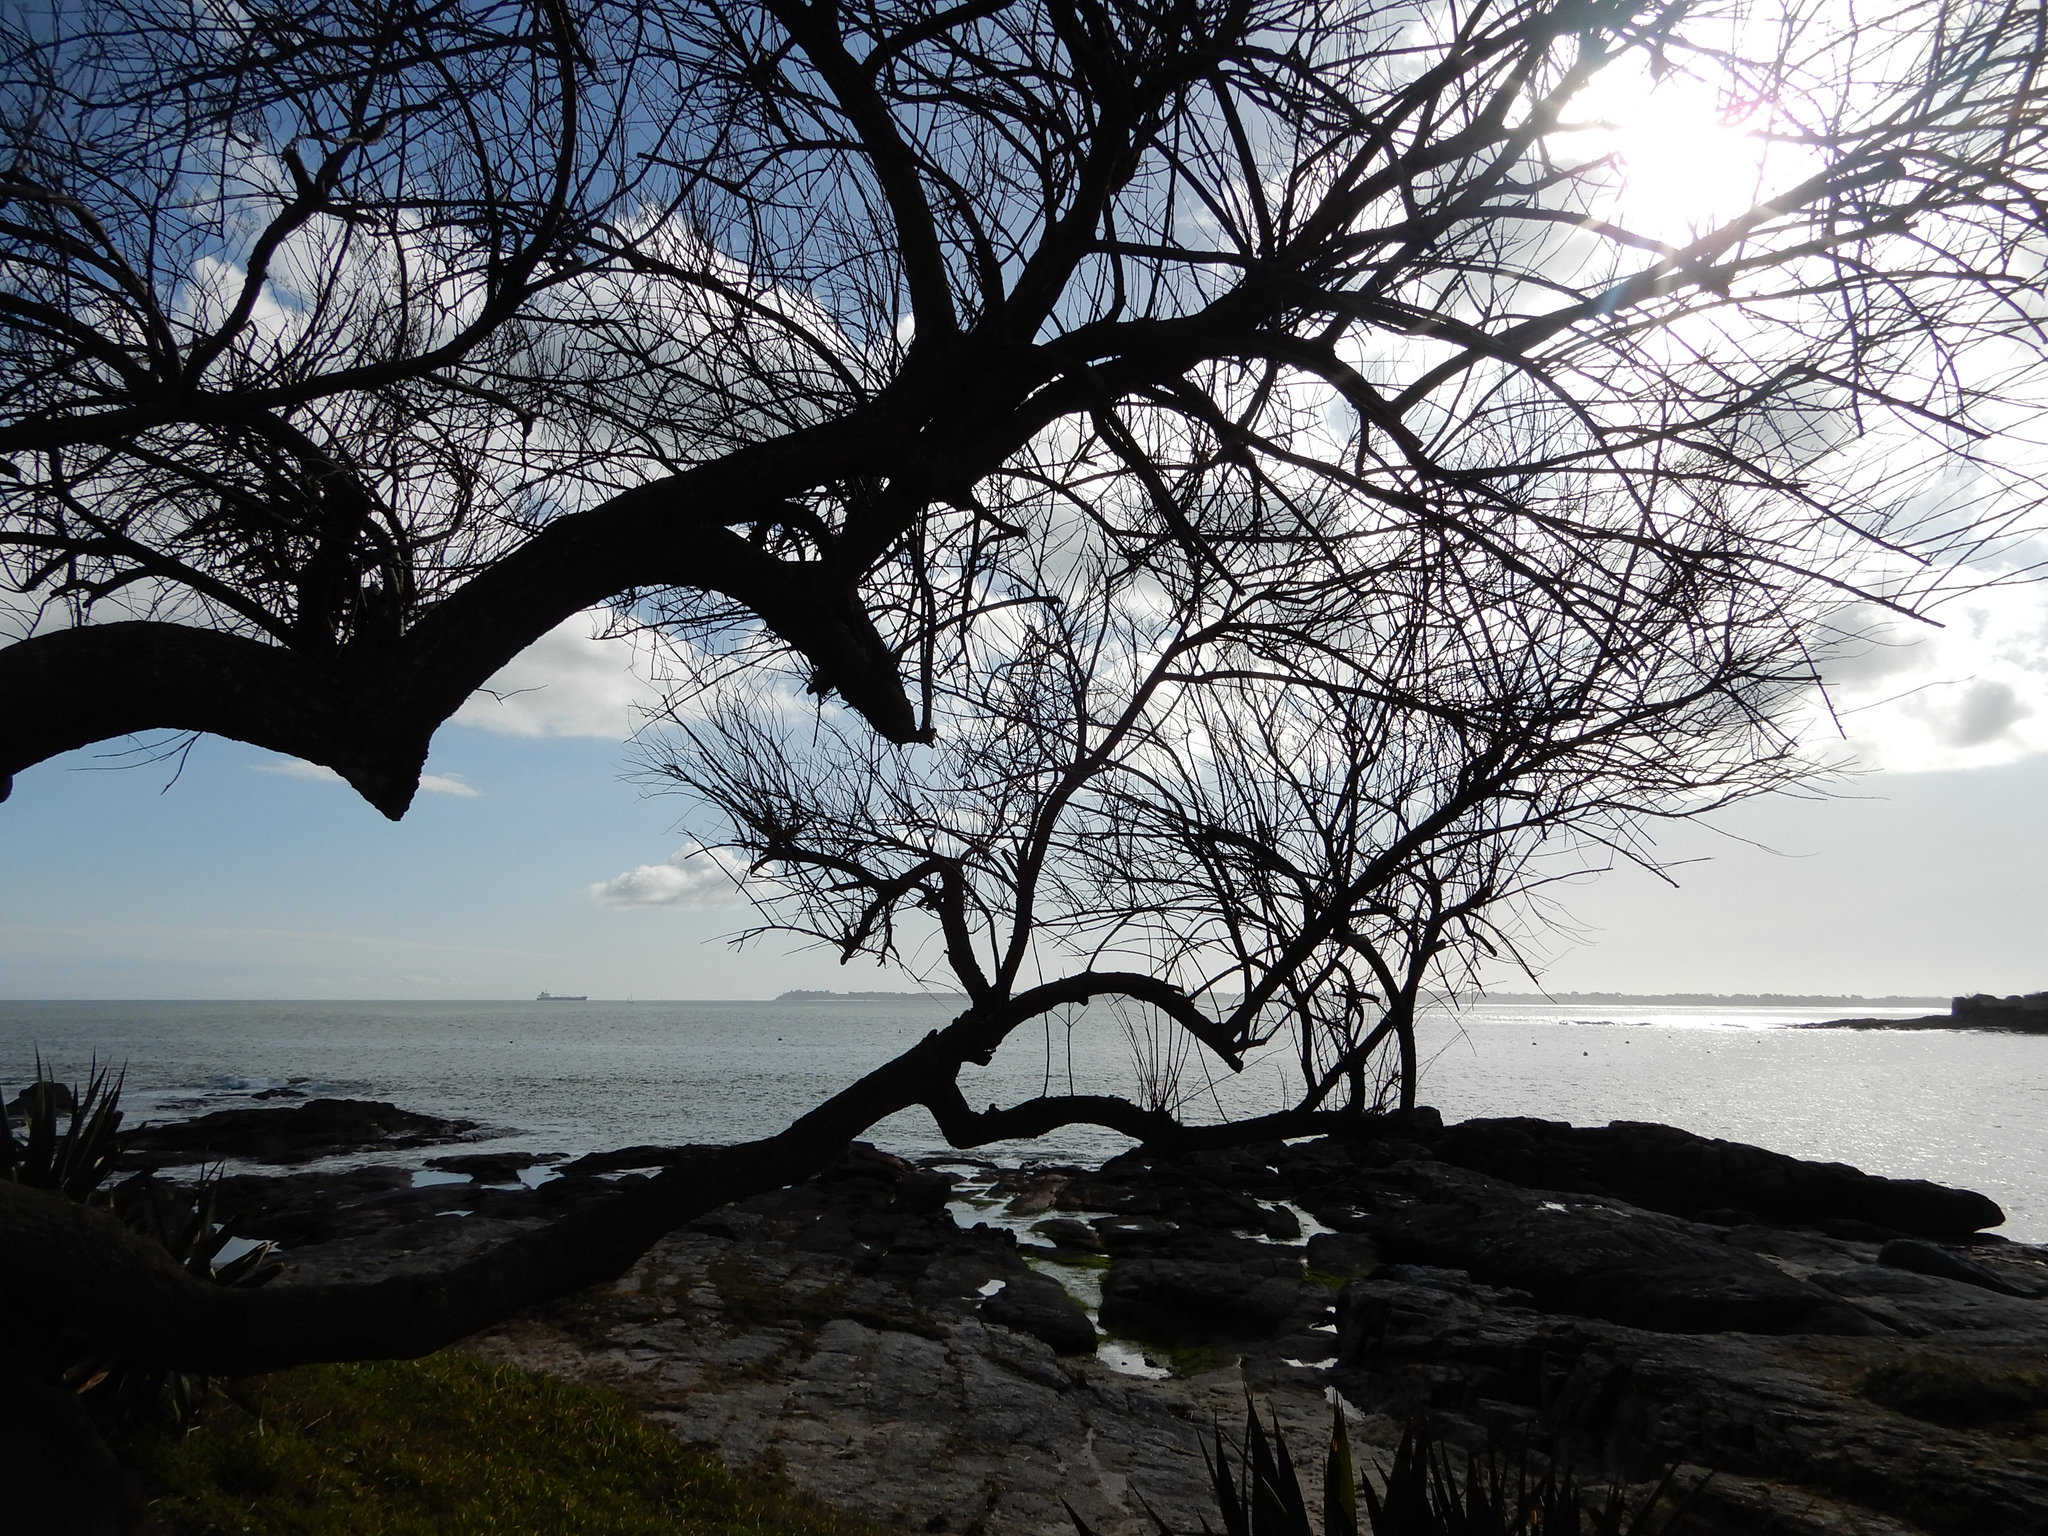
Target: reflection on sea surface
(1967, 1108)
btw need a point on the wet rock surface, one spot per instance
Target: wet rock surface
(1661, 1168)
(299, 1133)
(921, 1341)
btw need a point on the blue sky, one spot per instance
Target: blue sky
(249, 877)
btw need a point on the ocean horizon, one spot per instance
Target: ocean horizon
(1960, 1107)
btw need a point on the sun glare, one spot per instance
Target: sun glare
(1689, 154)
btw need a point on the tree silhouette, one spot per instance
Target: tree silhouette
(348, 346)
(1254, 796)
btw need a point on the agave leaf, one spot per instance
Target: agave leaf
(186, 1240)
(1163, 1528)
(1269, 1509)
(10, 1149)
(96, 1129)
(1287, 1487)
(1340, 1481)
(1402, 1501)
(1236, 1516)
(39, 1157)
(1376, 1514)
(1640, 1526)
(1406, 1511)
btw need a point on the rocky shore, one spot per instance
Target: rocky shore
(957, 1347)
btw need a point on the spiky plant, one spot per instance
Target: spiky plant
(76, 1161)
(1427, 1493)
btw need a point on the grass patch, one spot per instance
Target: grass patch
(450, 1446)
(1959, 1395)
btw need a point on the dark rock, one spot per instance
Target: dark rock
(1282, 1225)
(1662, 1168)
(487, 1167)
(924, 1190)
(1125, 1234)
(1942, 1389)
(1594, 1259)
(1927, 1259)
(308, 1209)
(1040, 1306)
(57, 1095)
(1118, 1198)
(1343, 1253)
(1066, 1232)
(1221, 1210)
(554, 1199)
(633, 1157)
(1723, 1216)
(1802, 1246)
(864, 1160)
(1038, 1193)
(1917, 1305)
(729, 1223)
(1490, 1305)
(1209, 1293)
(317, 1128)
(1404, 1311)
(1253, 1169)
(1850, 1230)
(279, 1093)
(1744, 1404)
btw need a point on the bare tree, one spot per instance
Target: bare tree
(347, 346)
(1260, 799)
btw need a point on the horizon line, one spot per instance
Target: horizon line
(1730, 999)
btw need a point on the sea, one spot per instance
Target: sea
(1960, 1107)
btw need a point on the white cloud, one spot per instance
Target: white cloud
(690, 878)
(298, 768)
(1972, 694)
(430, 783)
(567, 683)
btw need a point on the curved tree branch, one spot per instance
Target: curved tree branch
(1154, 1128)
(370, 711)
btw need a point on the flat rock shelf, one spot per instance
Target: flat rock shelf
(950, 1346)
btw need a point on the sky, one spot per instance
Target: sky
(536, 859)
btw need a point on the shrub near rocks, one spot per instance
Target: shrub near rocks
(1426, 1493)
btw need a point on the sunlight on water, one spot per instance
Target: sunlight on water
(1964, 1108)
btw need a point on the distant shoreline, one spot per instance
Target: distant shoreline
(1558, 999)
(1803, 1000)
(803, 995)
(2015, 1024)
(1710, 999)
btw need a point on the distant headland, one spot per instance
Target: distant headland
(802, 996)
(1553, 999)
(2025, 1012)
